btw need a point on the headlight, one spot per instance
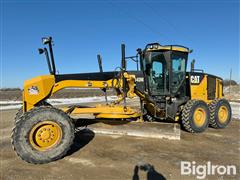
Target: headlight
(46, 40)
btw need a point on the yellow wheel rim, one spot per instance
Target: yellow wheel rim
(223, 114)
(45, 135)
(199, 117)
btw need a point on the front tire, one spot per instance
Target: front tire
(42, 135)
(20, 110)
(18, 114)
(195, 116)
(220, 113)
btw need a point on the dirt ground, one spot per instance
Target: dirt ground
(97, 157)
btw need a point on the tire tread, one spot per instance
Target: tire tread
(26, 116)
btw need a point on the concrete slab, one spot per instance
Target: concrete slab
(156, 130)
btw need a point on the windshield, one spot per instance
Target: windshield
(157, 72)
(158, 66)
(178, 70)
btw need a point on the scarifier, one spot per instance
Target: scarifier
(44, 133)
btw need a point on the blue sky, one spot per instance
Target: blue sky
(82, 29)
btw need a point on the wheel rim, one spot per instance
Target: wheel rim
(45, 135)
(199, 117)
(223, 114)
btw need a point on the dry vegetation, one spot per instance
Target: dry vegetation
(15, 94)
(232, 92)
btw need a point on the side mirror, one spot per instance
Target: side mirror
(139, 51)
(40, 51)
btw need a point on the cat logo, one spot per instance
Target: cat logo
(195, 79)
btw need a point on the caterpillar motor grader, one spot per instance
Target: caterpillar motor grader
(44, 133)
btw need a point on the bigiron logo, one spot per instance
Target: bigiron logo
(202, 170)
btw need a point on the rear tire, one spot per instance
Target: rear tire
(220, 113)
(195, 116)
(42, 135)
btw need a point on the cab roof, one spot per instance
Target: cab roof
(158, 47)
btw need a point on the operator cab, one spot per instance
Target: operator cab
(164, 69)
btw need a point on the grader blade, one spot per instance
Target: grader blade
(155, 130)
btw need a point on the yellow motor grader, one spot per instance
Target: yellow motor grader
(44, 133)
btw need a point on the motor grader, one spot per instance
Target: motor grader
(44, 133)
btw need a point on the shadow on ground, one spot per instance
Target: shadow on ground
(152, 174)
(83, 135)
(82, 138)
